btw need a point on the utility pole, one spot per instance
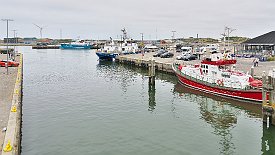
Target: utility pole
(60, 33)
(156, 34)
(15, 41)
(7, 20)
(141, 37)
(142, 44)
(173, 35)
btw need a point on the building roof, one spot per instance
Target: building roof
(268, 38)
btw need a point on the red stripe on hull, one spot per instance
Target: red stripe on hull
(240, 94)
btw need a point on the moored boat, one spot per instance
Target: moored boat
(76, 45)
(217, 75)
(112, 50)
(109, 52)
(106, 56)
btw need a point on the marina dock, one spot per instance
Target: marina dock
(161, 64)
(165, 64)
(45, 47)
(10, 111)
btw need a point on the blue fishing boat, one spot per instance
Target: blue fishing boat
(76, 45)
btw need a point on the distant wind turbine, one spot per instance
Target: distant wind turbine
(40, 28)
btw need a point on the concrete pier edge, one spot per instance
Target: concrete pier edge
(13, 132)
(143, 63)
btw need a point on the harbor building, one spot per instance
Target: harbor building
(262, 44)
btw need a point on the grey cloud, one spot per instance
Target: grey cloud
(104, 18)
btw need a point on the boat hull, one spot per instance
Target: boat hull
(72, 46)
(248, 95)
(106, 56)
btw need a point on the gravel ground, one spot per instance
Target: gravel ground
(7, 82)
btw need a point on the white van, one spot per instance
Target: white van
(186, 49)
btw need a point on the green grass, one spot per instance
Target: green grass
(271, 59)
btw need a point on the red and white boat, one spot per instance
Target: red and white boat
(217, 75)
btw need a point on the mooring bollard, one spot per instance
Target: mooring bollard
(252, 71)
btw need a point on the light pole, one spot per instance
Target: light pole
(15, 41)
(7, 20)
(142, 45)
(60, 33)
(141, 37)
(173, 36)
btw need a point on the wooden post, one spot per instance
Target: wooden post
(151, 72)
(268, 108)
(272, 102)
(264, 100)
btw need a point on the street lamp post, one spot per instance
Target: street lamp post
(15, 41)
(173, 35)
(141, 37)
(142, 44)
(7, 20)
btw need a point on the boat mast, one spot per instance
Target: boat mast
(124, 36)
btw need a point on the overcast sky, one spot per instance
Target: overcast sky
(101, 19)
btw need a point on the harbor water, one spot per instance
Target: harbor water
(75, 104)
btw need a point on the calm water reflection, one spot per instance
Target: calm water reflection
(74, 104)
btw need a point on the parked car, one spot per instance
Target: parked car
(191, 57)
(187, 57)
(10, 63)
(160, 52)
(182, 56)
(248, 55)
(167, 55)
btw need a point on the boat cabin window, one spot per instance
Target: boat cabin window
(221, 67)
(208, 59)
(205, 71)
(225, 75)
(196, 65)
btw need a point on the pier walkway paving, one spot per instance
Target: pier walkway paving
(7, 83)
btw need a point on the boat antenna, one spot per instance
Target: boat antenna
(124, 37)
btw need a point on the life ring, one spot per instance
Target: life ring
(220, 82)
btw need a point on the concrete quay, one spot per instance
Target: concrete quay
(161, 64)
(10, 108)
(165, 64)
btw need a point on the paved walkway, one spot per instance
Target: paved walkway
(7, 83)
